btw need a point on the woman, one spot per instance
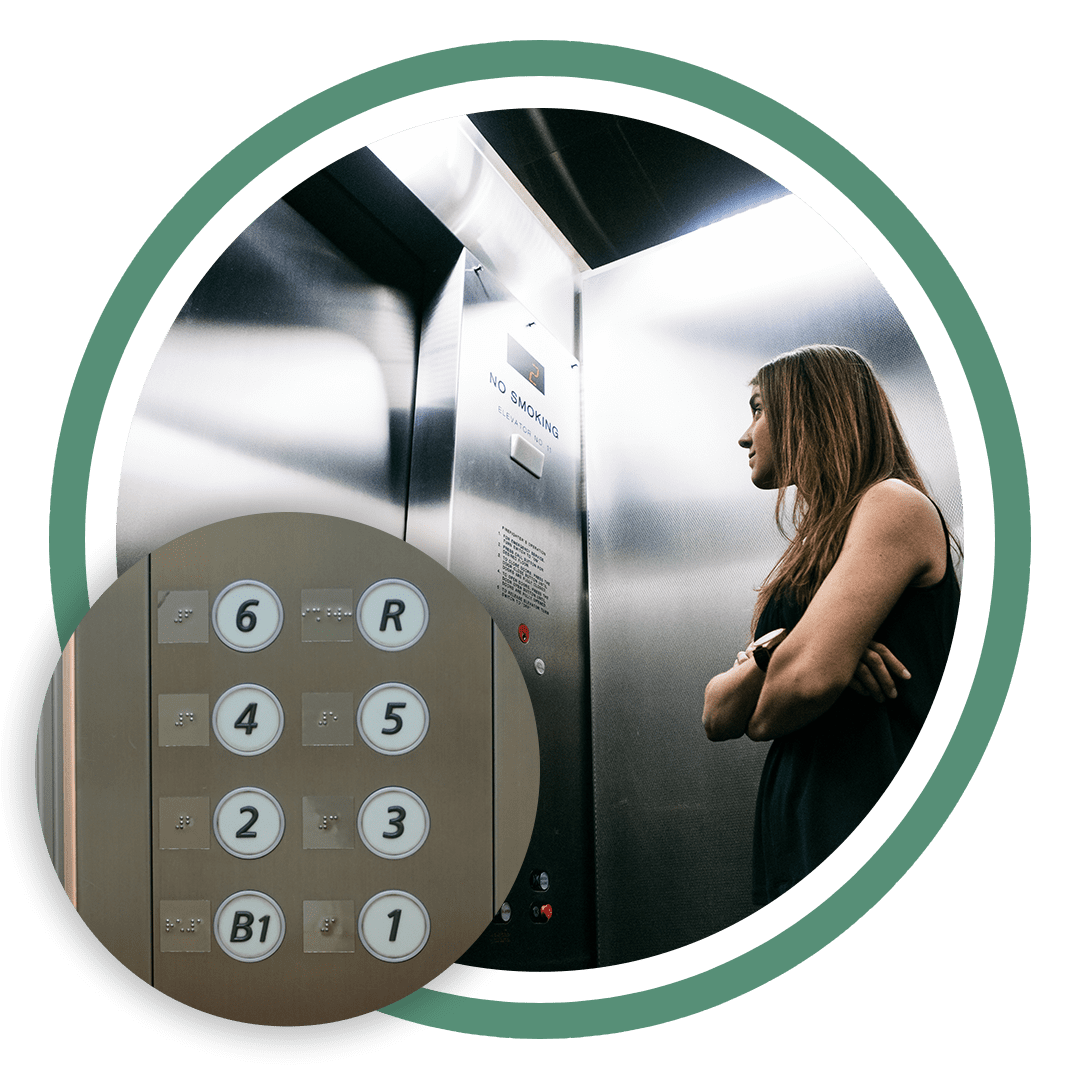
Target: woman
(867, 578)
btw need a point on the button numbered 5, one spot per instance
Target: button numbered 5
(392, 718)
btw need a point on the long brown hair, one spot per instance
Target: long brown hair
(834, 435)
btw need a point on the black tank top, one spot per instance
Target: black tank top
(819, 782)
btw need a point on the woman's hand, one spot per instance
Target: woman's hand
(877, 673)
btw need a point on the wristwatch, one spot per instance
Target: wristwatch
(761, 650)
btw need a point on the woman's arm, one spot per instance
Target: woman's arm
(730, 699)
(894, 541)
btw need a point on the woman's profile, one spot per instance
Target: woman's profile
(852, 626)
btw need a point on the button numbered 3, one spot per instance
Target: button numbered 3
(393, 822)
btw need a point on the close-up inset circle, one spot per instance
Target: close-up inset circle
(394, 926)
(393, 822)
(248, 719)
(249, 823)
(249, 926)
(247, 616)
(392, 718)
(392, 614)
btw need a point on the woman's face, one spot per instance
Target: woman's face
(756, 439)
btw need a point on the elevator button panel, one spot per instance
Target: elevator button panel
(327, 804)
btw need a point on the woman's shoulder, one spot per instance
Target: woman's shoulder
(892, 512)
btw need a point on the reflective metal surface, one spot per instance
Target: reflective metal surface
(286, 384)
(455, 173)
(678, 539)
(514, 539)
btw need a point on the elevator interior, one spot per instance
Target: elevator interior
(521, 342)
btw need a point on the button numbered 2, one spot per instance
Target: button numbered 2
(392, 718)
(249, 926)
(393, 822)
(247, 616)
(249, 823)
(248, 719)
(393, 926)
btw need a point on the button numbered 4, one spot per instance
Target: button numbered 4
(248, 719)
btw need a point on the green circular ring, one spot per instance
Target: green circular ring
(1012, 524)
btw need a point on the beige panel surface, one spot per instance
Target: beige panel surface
(451, 770)
(112, 755)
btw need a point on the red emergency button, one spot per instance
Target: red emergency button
(523, 634)
(540, 913)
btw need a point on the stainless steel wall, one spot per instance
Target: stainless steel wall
(285, 384)
(678, 539)
(514, 538)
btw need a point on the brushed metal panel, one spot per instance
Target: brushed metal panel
(453, 170)
(451, 770)
(110, 685)
(678, 538)
(515, 541)
(286, 384)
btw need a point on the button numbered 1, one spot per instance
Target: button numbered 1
(392, 614)
(249, 823)
(247, 616)
(248, 719)
(393, 926)
(392, 718)
(249, 926)
(393, 822)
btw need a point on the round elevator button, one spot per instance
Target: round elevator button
(249, 926)
(392, 614)
(393, 822)
(247, 615)
(392, 718)
(248, 719)
(249, 823)
(394, 926)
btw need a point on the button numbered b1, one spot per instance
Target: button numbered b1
(249, 926)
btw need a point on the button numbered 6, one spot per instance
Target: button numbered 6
(247, 616)
(393, 822)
